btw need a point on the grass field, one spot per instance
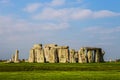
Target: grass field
(59, 71)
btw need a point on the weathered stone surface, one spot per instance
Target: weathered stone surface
(63, 52)
(50, 52)
(32, 56)
(82, 57)
(37, 46)
(90, 56)
(97, 57)
(46, 52)
(72, 56)
(53, 55)
(50, 45)
(15, 57)
(102, 56)
(37, 54)
(40, 55)
(76, 56)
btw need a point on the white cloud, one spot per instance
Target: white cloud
(55, 26)
(81, 14)
(50, 13)
(105, 13)
(14, 29)
(32, 7)
(102, 30)
(35, 6)
(20, 26)
(101, 36)
(73, 14)
(57, 2)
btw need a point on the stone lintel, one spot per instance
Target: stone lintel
(50, 45)
(37, 46)
(91, 48)
(62, 47)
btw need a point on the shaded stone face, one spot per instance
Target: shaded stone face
(90, 56)
(40, 55)
(102, 55)
(32, 56)
(76, 56)
(52, 55)
(72, 56)
(98, 55)
(63, 52)
(46, 52)
(50, 52)
(36, 54)
(82, 56)
(15, 57)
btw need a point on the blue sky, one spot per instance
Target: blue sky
(76, 23)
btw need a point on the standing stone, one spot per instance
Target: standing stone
(40, 55)
(13, 58)
(97, 58)
(102, 56)
(63, 52)
(76, 56)
(36, 54)
(94, 55)
(50, 52)
(90, 56)
(52, 55)
(32, 56)
(72, 56)
(46, 52)
(82, 56)
(36, 48)
(16, 60)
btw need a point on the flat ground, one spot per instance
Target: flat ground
(59, 71)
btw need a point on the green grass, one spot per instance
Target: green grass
(59, 71)
(60, 75)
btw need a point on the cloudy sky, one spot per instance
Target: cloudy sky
(76, 23)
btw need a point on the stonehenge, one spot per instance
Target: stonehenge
(52, 53)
